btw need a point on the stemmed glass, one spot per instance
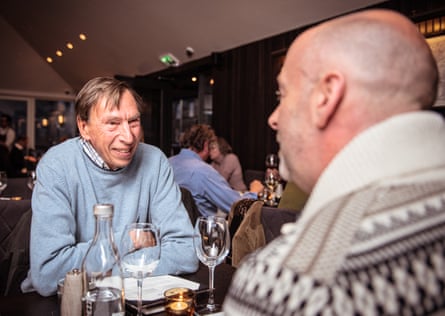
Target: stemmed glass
(140, 253)
(32, 178)
(212, 244)
(272, 180)
(271, 161)
(3, 181)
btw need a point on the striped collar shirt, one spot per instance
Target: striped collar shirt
(93, 154)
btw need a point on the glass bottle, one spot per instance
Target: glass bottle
(102, 272)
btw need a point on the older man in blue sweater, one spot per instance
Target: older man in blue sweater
(106, 164)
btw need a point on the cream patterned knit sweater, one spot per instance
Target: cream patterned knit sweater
(371, 239)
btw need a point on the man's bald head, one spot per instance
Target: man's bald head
(381, 51)
(342, 77)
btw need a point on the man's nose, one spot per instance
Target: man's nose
(125, 132)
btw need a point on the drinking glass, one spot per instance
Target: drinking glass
(3, 181)
(32, 178)
(212, 244)
(140, 255)
(271, 161)
(272, 181)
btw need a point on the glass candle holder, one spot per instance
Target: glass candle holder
(179, 301)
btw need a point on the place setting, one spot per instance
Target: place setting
(171, 295)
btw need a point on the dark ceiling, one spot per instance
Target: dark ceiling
(127, 37)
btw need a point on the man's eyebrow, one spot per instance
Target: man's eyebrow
(135, 117)
(118, 117)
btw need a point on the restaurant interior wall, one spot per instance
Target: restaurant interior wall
(242, 97)
(244, 88)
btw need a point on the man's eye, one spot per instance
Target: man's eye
(135, 122)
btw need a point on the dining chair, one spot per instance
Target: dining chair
(15, 223)
(260, 225)
(190, 204)
(236, 215)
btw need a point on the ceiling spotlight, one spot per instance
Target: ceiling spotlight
(194, 79)
(169, 60)
(69, 45)
(189, 51)
(82, 36)
(59, 53)
(49, 60)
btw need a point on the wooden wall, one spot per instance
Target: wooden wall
(244, 97)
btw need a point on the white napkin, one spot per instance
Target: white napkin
(153, 288)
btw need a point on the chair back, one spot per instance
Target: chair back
(259, 225)
(273, 218)
(250, 175)
(15, 223)
(236, 215)
(190, 205)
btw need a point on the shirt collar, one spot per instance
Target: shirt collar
(93, 154)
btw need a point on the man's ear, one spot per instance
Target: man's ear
(83, 128)
(328, 96)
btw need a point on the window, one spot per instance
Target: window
(55, 121)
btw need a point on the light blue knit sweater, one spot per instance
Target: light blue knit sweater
(69, 184)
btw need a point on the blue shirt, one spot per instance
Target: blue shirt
(209, 189)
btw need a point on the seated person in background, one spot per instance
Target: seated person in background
(7, 133)
(20, 161)
(227, 164)
(354, 131)
(209, 189)
(4, 158)
(106, 164)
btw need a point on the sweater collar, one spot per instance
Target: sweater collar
(400, 144)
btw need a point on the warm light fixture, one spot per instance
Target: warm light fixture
(44, 122)
(212, 82)
(60, 119)
(49, 60)
(82, 36)
(194, 79)
(69, 45)
(59, 53)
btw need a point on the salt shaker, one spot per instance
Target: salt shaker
(72, 294)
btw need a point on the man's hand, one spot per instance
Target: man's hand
(142, 239)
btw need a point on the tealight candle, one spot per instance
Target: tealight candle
(179, 301)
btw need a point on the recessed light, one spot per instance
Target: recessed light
(69, 45)
(49, 60)
(59, 53)
(82, 36)
(194, 79)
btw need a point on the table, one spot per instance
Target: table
(32, 304)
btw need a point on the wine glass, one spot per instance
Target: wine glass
(271, 161)
(272, 182)
(3, 181)
(32, 179)
(140, 253)
(212, 244)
